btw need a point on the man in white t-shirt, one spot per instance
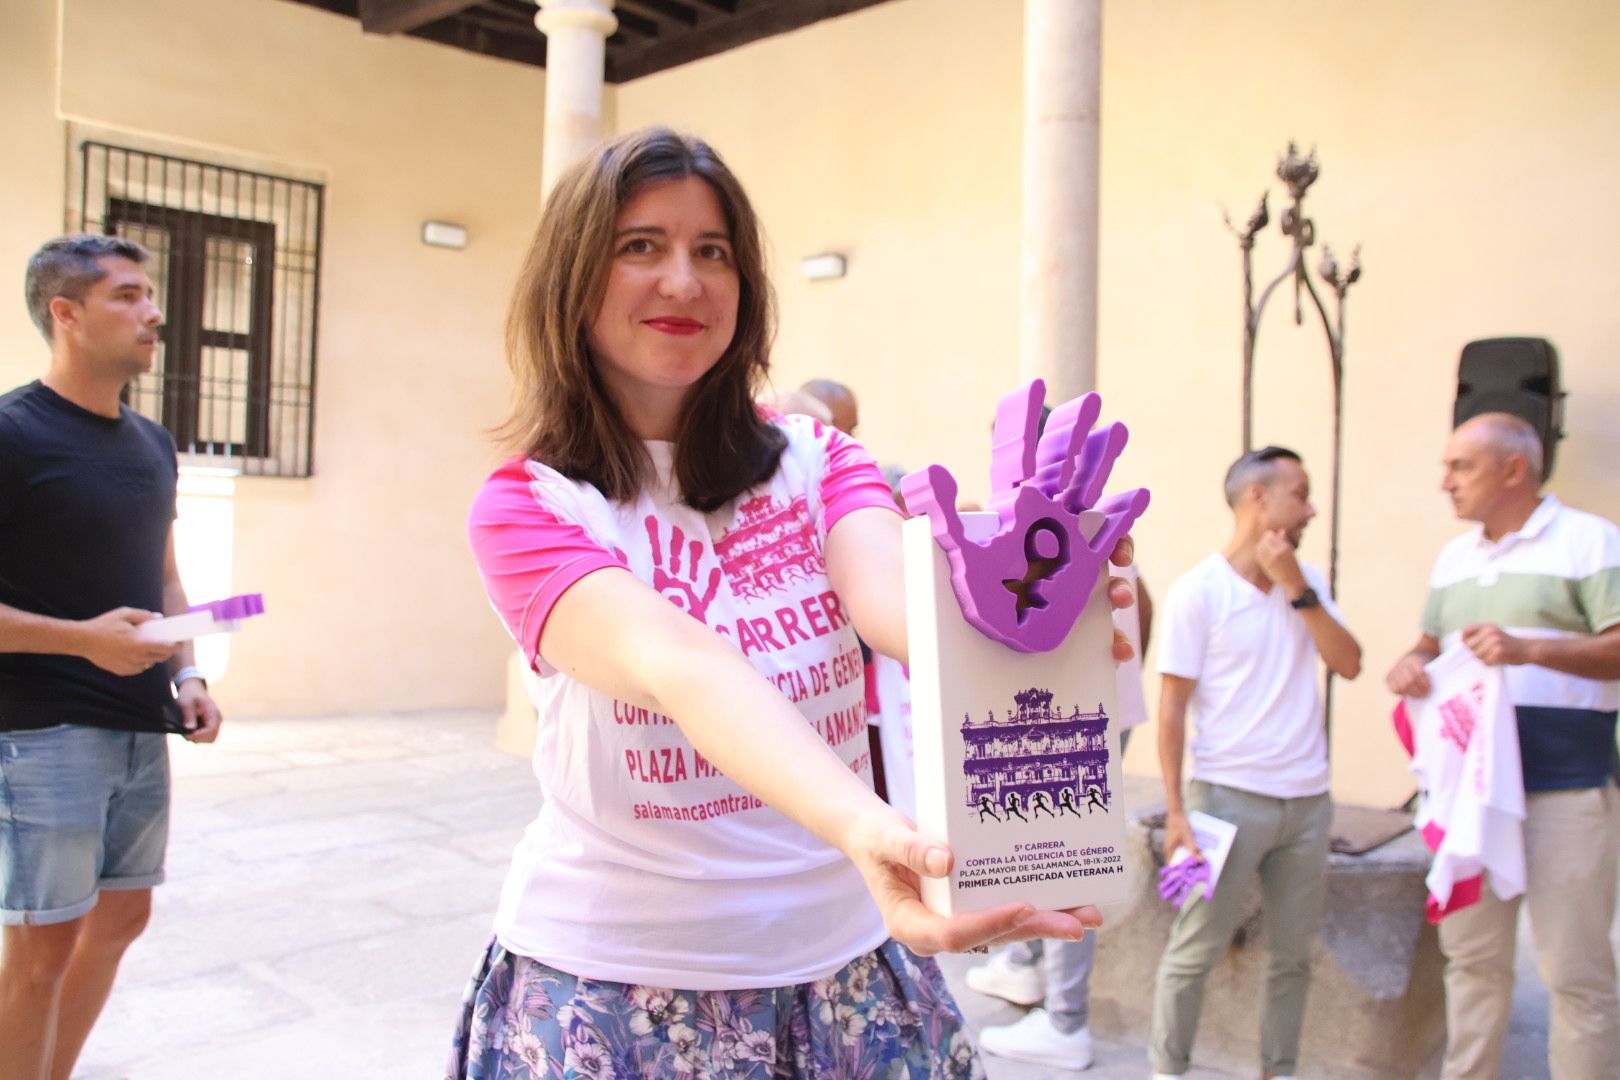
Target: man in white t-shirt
(1241, 633)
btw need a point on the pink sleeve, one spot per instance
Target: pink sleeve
(851, 480)
(1403, 728)
(874, 704)
(527, 554)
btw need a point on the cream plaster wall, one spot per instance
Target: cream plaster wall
(32, 179)
(373, 598)
(853, 136)
(1472, 148)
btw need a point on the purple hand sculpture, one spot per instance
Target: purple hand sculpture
(1177, 881)
(1027, 584)
(233, 608)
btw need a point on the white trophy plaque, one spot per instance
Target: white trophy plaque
(1017, 753)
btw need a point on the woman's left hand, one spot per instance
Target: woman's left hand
(893, 858)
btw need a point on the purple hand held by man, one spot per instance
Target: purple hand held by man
(1026, 585)
(1177, 881)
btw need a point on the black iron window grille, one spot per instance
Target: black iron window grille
(236, 266)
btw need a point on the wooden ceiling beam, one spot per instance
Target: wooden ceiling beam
(523, 49)
(635, 24)
(518, 9)
(336, 7)
(498, 21)
(403, 16)
(653, 35)
(664, 10)
(717, 35)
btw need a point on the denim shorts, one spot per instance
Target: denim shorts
(81, 809)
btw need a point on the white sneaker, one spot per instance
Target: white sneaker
(1021, 984)
(1034, 1039)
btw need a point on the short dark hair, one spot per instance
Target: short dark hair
(563, 415)
(68, 266)
(1255, 467)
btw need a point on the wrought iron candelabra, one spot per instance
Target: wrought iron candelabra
(1298, 172)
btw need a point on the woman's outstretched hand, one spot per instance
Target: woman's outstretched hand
(893, 857)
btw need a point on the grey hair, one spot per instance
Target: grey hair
(1255, 467)
(893, 474)
(1510, 435)
(827, 391)
(68, 266)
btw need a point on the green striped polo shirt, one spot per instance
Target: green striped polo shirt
(1558, 576)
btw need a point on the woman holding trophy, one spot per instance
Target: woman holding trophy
(710, 886)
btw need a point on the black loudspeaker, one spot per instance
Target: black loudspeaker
(1517, 375)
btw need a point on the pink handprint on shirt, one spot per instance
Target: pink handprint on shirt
(1026, 585)
(667, 577)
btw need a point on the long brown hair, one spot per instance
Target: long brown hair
(563, 415)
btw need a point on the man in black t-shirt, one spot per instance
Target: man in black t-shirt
(87, 504)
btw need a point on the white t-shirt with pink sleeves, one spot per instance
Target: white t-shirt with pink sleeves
(646, 865)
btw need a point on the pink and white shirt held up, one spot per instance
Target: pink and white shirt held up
(647, 865)
(1465, 751)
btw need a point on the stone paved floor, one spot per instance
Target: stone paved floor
(331, 883)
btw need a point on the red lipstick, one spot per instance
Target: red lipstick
(674, 324)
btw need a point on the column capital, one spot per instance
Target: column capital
(594, 15)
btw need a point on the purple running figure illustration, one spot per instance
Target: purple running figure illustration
(1036, 757)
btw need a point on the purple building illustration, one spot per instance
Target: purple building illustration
(1037, 761)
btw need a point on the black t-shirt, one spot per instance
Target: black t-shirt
(86, 505)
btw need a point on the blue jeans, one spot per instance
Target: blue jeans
(81, 809)
(1068, 966)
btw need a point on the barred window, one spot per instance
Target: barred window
(236, 267)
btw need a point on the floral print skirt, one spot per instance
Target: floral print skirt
(886, 1015)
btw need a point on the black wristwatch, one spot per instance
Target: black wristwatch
(1307, 599)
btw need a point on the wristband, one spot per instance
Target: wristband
(188, 673)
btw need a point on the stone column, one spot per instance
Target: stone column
(1058, 303)
(576, 45)
(576, 51)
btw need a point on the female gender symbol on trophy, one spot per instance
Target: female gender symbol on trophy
(1011, 632)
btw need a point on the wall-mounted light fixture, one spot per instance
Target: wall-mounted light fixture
(443, 234)
(824, 267)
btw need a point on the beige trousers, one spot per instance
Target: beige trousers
(1284, 843)
(1572, 844)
